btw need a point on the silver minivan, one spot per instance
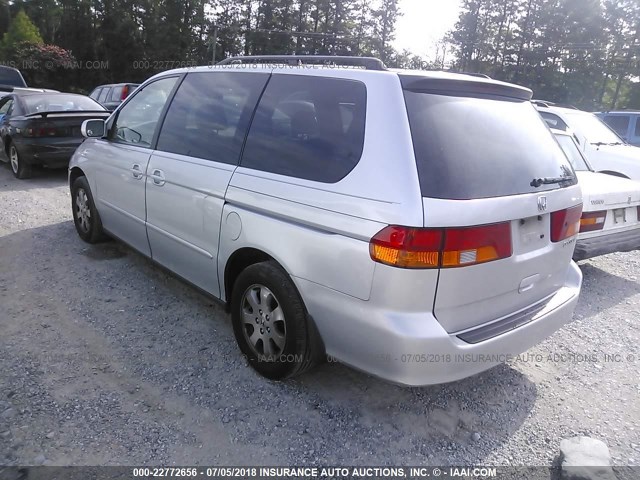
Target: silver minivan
(418, 226)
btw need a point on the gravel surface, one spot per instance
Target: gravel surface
(107, 359)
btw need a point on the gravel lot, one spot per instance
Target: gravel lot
(107, 359)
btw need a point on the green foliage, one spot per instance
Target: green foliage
(21, 30)
(583, 52)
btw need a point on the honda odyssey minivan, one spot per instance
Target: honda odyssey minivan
(418, 226)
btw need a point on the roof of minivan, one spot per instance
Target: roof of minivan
(411, 79)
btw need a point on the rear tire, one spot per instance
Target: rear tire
(271, 324)
(19, 167)
(85, 215)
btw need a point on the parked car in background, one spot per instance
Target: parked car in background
(110, 96)
(11, 77)
(625, 123)
(39, 128)
(356, 212)
(611, 213)
(603, 148)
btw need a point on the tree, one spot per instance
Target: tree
(22, 30)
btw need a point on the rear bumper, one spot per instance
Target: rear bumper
(52, 153)
(412, 348)
(609, 243)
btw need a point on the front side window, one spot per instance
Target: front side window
(619, 123)
(138, 119)
(308, 127)
(210, 113)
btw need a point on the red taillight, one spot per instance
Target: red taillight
(468, 246)
(565, 223)
(592, 221)
(40, 132)
(407, 247)
(125, 92)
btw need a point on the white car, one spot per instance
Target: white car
(611, 213)
(603, 148)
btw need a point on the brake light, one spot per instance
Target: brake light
(565, 223)
(125, 92)
(469, 246)
(40, 132)
(592, 221)
(407, 247)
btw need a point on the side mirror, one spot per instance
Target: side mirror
(93, 128)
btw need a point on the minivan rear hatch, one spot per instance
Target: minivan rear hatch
(501, 191)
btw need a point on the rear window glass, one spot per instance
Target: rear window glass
(58, 103)
(11, 77)
(469, 147)
(619, 123)
(308, 127)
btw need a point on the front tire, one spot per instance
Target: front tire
(19, 167)
(271, 324)
(85, 216)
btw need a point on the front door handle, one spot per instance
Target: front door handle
(158, 177)
(136, 171)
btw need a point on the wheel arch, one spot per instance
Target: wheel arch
(237, 262)
(74, 174)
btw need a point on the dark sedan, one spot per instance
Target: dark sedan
(43, 128)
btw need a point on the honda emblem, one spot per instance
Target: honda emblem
(542, 204)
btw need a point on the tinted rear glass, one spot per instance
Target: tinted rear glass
(470, 147)
(9, 76)
(58, 103)
(308, 127)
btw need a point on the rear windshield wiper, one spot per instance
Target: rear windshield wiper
(538, 182)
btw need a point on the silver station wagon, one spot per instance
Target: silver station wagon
(418, 226)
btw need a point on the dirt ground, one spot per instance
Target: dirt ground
(105, 359)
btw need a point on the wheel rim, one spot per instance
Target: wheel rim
(263, 321)
(13, 156)
(83, 212)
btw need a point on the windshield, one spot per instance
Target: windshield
(572, 152)
(59, 103)
(594, 129)
(468, 147)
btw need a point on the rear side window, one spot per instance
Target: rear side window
(210, 114)
(619, 123)
(308, 127)
(469, 147)
(637, 131)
